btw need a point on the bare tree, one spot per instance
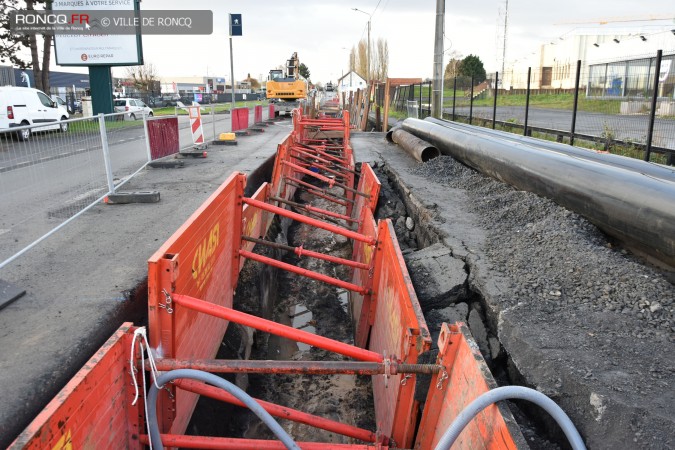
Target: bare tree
(144, 77)
(362, 58)
(381, 60)
(451, 69)
(255, 84)
(11, 44)
(352, 59)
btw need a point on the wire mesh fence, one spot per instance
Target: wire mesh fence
(624, 107)
(50, 176)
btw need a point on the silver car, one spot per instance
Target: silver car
(133, 108)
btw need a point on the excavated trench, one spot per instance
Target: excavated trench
(553, 303)
(304, 304)
(442, 286)
(451, 284)
(323, 309)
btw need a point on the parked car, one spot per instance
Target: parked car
(63, 103)
(21, 106)
(134, 108)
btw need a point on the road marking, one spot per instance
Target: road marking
(4, 230)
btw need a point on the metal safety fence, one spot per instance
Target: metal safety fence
(50, 176)
(624, 107)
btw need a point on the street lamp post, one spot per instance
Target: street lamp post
(368, 50)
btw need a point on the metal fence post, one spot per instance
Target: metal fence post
(527, 100)
(471, 102)
(147, 136)
(106, 154)
(652, 113)
(494, 102)
(441, 107)
(419, 115)
(454, 95)
(576, 101)
(213, 120)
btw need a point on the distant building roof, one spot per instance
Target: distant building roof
(347, 74)
(57, 79)
(404, 81)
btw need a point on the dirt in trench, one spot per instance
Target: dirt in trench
(307, 305)
(319, 308)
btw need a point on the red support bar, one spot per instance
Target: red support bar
(276, 366)
(280, 411)
(323, 191)
(304, 272)
(318, 165)
(314, 209)
(313, 156)
(309, 221)
(321, 152)
(293, 367)
(326, 197)
(330, 181)
(219, 443)
(325, 157)
(304, 252)
(277, 329)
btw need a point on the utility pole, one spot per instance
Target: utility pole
(437, 95)
(368, 56)
(506, 22)
(368, 49)
(235, 30)
(232, 74)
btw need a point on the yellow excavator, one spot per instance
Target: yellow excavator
(286, 89)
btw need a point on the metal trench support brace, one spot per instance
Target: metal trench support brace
(304, 252)
(270, 326)
(309, 221)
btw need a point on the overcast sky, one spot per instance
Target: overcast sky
(323, 31)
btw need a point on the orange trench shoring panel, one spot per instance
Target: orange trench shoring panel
(192, 278)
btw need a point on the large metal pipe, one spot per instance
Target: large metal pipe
(632, 207)
(390, 134)
(647, 168)
(421, 150)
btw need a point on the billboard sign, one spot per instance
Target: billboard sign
(98, 49)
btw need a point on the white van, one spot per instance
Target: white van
(21, 106)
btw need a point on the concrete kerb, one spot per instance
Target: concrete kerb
(9, 292)
(122, 198)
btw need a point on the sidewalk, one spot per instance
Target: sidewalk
(86, 280)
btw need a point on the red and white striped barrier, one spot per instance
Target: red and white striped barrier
(196, 124)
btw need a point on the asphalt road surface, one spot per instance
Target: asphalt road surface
(630, 127)
(54, 175)
(88, 278)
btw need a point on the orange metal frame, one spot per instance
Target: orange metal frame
(94, 409)
(468, 377)
(191, 281)
(201, 259)
(399, 331)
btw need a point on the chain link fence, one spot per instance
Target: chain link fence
(624, 107)
(50, 176)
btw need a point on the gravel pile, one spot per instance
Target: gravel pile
(562, 261)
